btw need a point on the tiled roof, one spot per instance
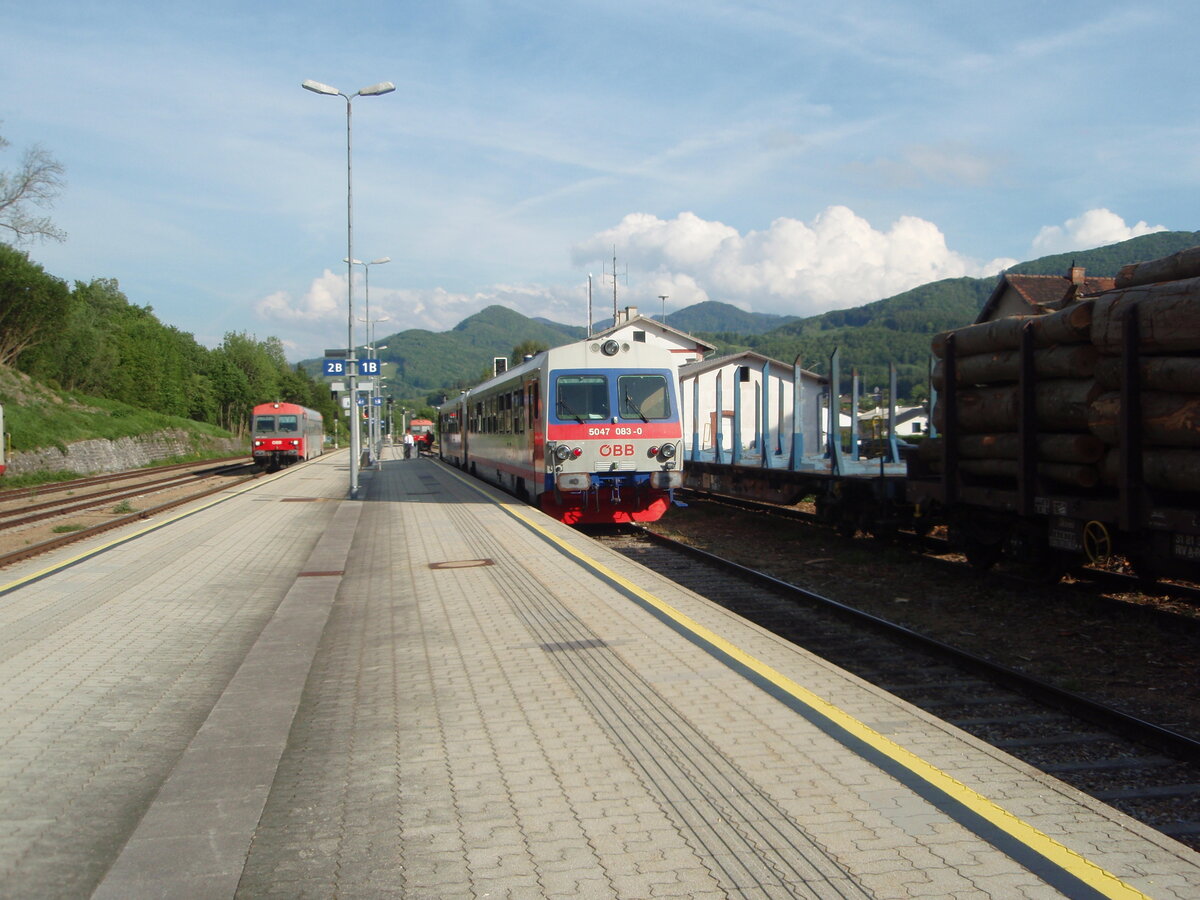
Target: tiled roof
(1053, 290)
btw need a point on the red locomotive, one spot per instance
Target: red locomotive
(285, 433)
(422, 432)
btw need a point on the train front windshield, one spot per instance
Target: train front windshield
(643, 397)
(582, 397)
(264, 424)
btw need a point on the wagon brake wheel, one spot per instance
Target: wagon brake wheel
(1097, 542)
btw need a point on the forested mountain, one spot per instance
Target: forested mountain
(897, 329)
(427, 365)
(712, 316)
(88, 338)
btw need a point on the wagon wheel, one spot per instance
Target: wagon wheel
(1097, 542)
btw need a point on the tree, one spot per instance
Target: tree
(36, 183)
(527, 348)
(31, 304)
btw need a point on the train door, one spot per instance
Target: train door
(536, 426)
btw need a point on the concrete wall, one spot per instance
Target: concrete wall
(113, 456)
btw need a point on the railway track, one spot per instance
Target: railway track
(1095, 578)
(1148, 770)
(89, 506)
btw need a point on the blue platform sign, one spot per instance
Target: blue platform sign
(362, 401)
(369, 366)
(377, 401)
(335, 367)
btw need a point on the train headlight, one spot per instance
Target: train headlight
(562, 452)
(610, 348)
(668, 451)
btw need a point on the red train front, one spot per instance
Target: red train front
(285, 433)
(589, 432)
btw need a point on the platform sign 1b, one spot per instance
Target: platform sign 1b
(335, 367)
(368, 366)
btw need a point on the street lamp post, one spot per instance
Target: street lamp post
(373, 448)
(373, 416)
(377, 401)
(384, 87)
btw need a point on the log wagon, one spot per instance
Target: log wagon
(1074, 435)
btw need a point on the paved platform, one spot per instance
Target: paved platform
(433, 691)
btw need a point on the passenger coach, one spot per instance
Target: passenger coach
(284, 433)
(589, 432)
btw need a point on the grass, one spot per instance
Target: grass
(33, 479)
(124, 507)
(39, 416)
(66, 529)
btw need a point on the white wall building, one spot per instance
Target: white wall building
(742, 379)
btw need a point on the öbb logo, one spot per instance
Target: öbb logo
(616, 449)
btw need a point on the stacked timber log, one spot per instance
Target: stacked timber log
(1078, 366)
(1168, 369)
(987, 363)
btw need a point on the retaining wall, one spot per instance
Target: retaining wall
(86, 457)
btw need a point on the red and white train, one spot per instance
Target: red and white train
(422, 432)
(285, 433)
(589, 432)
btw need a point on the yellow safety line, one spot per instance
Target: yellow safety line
(65, 563)
(1065, 858)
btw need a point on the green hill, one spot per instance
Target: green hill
(898, 329)
(422, 365)
(425, 364)
(712, 316)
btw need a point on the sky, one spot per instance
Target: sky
(784, 156)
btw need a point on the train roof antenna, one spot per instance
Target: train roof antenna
(615, 276)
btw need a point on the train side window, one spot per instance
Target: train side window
(582, 397)
(535, 410)
(643, 397)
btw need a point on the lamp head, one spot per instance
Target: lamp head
(384, 87)
(317, 88)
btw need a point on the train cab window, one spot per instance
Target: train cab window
(289, 423)
(264, 424)
(643, 397)
(582, 397)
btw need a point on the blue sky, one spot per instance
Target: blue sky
(784, 156)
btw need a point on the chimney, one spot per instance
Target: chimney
(630, 313)
(1076, 275)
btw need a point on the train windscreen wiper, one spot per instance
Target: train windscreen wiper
(629, 402)
(563, 406)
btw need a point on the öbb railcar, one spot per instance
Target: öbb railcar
(285, 433)
(588, 432)
(422, 432)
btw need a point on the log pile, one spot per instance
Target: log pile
(1078, 366)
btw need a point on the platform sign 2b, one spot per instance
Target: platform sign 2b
(335, 367)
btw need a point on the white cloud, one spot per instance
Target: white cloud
(836, 261)
(1094, 228)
